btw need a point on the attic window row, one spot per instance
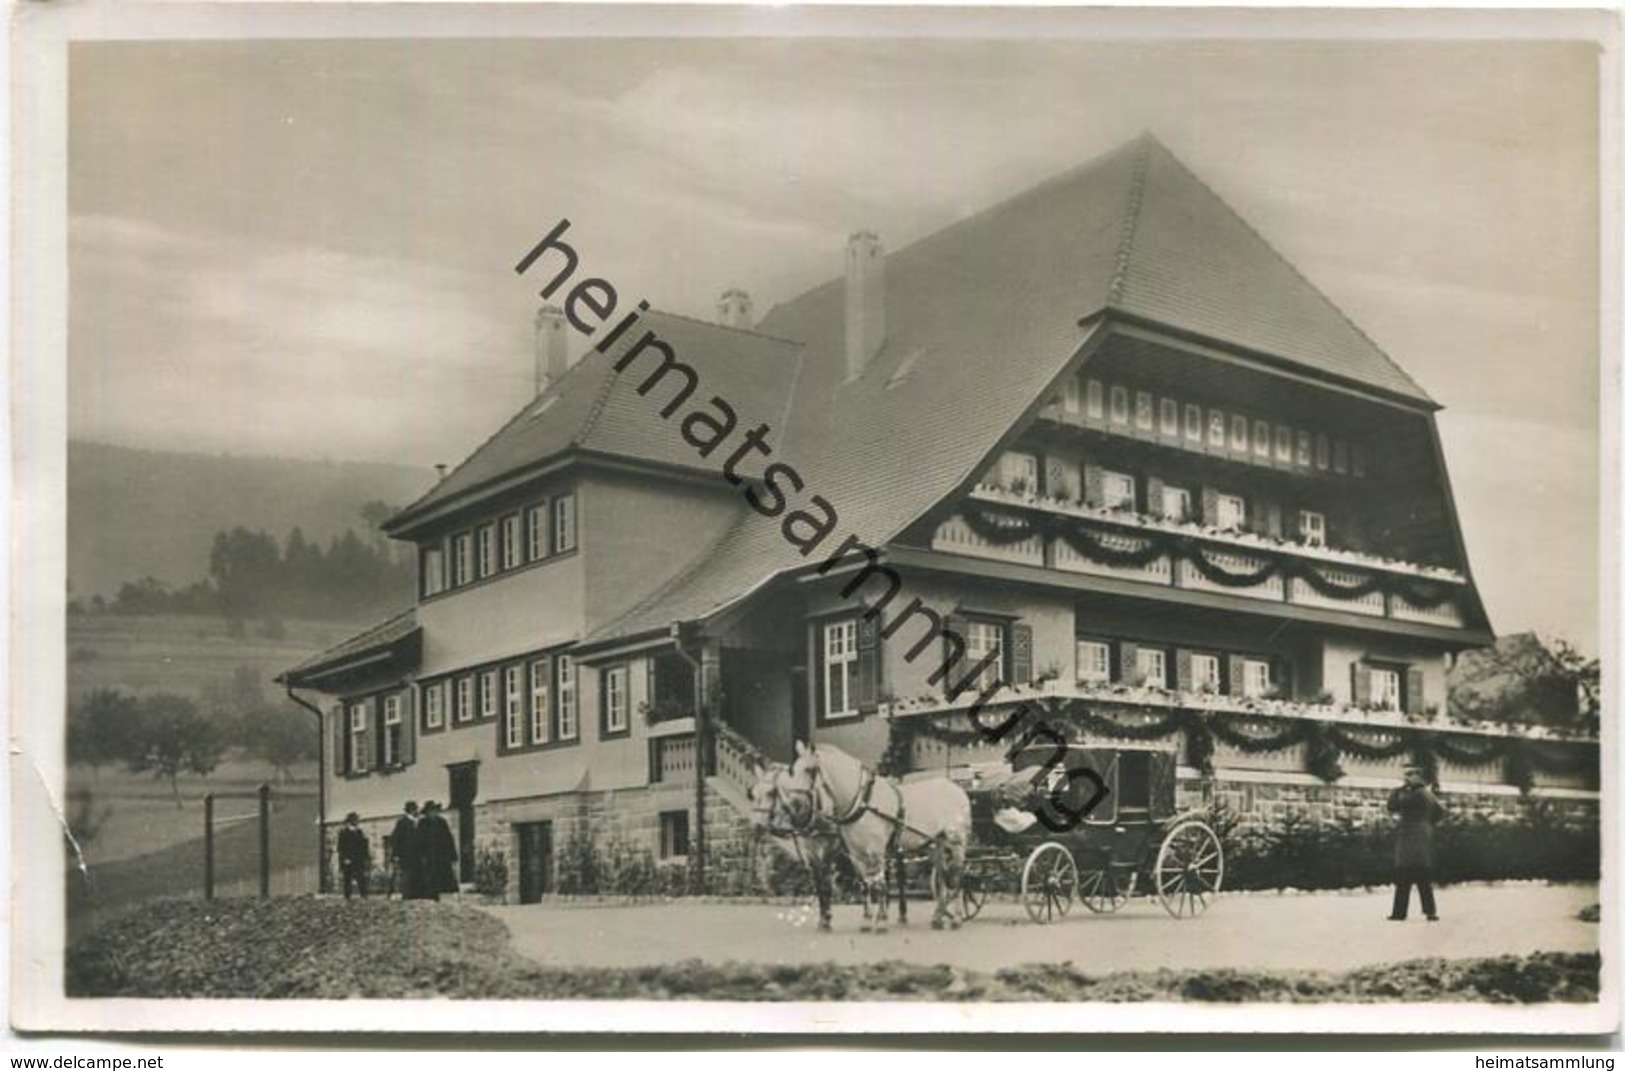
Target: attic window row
(1125, 410)
(540, 530)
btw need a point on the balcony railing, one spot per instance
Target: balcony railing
(1075, 538)
(1160, 699)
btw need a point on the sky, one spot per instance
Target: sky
(306, 248)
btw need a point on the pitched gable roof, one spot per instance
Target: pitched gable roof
(1190, 262)
(593, 409)
(982, 317)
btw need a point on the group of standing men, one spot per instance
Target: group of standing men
(422, 854)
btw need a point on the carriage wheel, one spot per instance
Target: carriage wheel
(1049, 882)
(1189, 869)
(1102, 891)
(972, 895)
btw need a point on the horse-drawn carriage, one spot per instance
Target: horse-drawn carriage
(977, 833)
(1132, 840)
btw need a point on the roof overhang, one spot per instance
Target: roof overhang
(399, 655)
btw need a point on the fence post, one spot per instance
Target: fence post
(265, 842)
(208, 846)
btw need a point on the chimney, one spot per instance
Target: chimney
(552, 347)
(865, 300)
(734, 309)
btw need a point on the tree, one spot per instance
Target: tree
(282, 736)
(1524, 680)
(101, 729)
(173, 738)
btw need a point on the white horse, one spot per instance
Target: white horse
(876, 817)
(783, 807)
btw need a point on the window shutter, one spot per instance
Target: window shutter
(335, 761)
(1094, 485)
(1362, 684)
(1182, 671)
(1021, 654)
(649, 685)
(868, 685)
(1237, 674)
(1415, 688)
(1128, 658)
(1153, 496)
(1210, 506)
(409, 727)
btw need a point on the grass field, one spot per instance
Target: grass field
(179, 653)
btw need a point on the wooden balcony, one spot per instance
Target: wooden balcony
(1073, 538)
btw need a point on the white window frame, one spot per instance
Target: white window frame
(1386, 687)
(981, 637)
(485, 556)
(839, 642)
(617, 682)
(358, 732)
(1323, 452)
(536, 531)
(392, 731)
(1123, 480)
(541, 709)
(1171, 496)
(1283, 443)
(1168, 417)
(1306, 449)
(488, 694)
(513, 706)
(1193, 422)
(1238, 432)
(1261, 439)
(462, 558)
(434, 710)
(1119, 405)
(1094, 399)
(569, 721)
(1312, 527)
(1092, 660)
(1231, 512)
(1145, 410)
(1151, 666)
(564, 523)
(465, 700)
(1255, 678)
(1217, 428)
(1018, 465)
(1071, 399)
(433, 565)
(512, 554)
(1206, 674)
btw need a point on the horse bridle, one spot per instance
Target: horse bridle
(797, 830)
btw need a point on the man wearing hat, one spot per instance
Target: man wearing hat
(437, 853)
(355, 855)
(403, 852)
(1419, 810)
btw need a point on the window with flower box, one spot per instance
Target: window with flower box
(1094, 658)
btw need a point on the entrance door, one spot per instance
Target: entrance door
(535, 860)
(465, 785)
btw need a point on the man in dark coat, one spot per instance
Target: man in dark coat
(1419, 810)
(355, 855)
(403, 851)
(437, 856)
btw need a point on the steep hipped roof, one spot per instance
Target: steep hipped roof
(981, 318)
(593, 409)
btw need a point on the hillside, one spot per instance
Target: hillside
(135, 513)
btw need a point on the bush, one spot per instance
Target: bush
(491, 871)
(1296, 851)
